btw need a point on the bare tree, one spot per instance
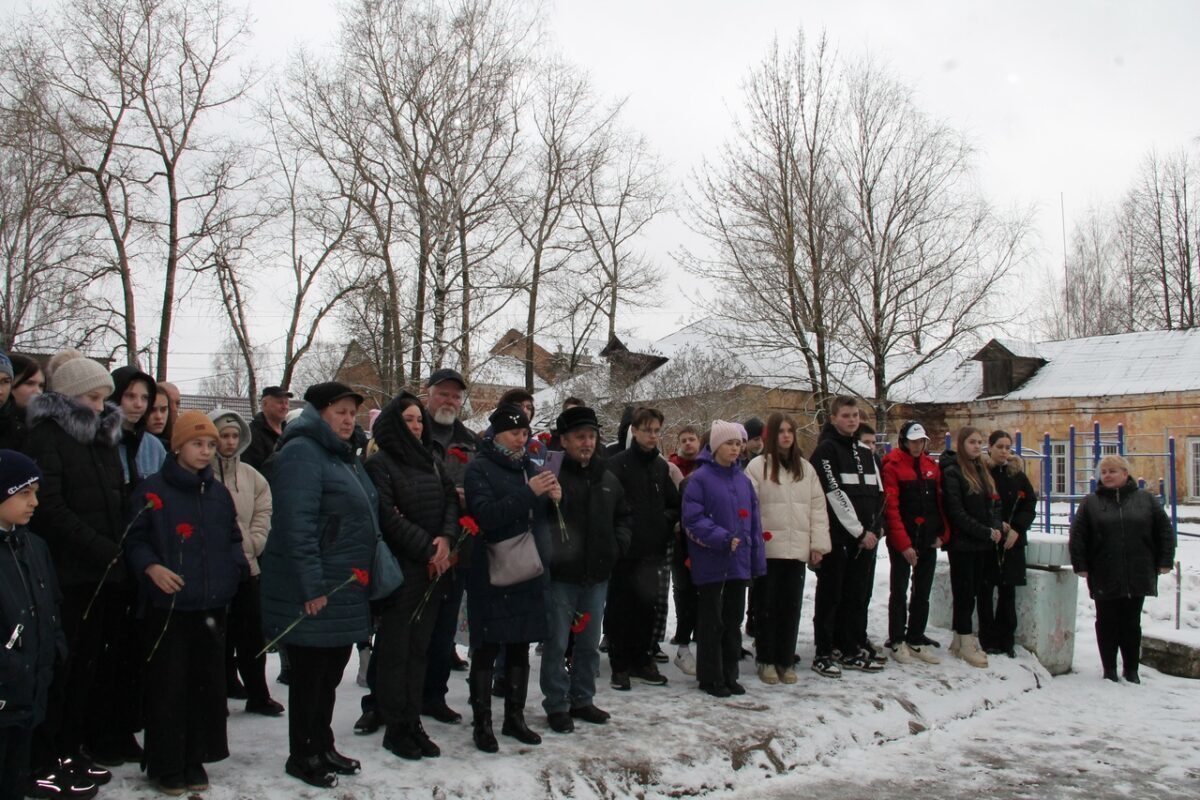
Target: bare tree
(770, 208)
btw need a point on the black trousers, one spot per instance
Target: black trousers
(185, 690)
(685, 595)
(1119, 628)
(401, 647)
(843, 590)
(312, 692)
(243, 641)
(445, 604)
(968, 585)
(907, 618)
(998, 617)
(15, 741)
(777, 616)
(632, 593)
(719, 611)
(75, 700)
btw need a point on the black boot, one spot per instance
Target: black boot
(480, 683)
(514, 706)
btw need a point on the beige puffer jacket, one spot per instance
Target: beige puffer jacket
(792, 510)
(250, 490)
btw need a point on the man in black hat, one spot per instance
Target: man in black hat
(593, 533)
(455, 445)
(267, 426)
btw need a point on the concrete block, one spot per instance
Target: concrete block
(1047, 550)
(1046, 608)
(1181, 659)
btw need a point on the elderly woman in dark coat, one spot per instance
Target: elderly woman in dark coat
(418, 510)
(324, 527)
(507, 496)
(1121, 541)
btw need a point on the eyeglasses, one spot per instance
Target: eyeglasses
(651, 431)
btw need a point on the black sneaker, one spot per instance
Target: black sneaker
(826, 667)
(82, 767)
(591, 714)
(61, 782)
(620, 681)
(196, 778)
(650, 675)
(266, 708)
(861, 661)
(560, 722)
(715, 689)
(735, 687)
(660, 656)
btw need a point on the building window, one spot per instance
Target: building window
(1193, 466)
(1085, 469)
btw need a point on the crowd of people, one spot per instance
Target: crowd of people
(156, 554)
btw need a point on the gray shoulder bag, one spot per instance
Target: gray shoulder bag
(514, 560)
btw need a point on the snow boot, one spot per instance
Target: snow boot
(969, 651)
(768, 674)
(514, 706)
(955, 645)
(480, 683)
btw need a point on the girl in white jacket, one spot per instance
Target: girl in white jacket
(796, 529)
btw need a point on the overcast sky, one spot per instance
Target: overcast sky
(1058, 97)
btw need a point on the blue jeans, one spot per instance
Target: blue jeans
(563, 691)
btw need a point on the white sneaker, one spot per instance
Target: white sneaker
(923, 653)
(902, 654)
(685, 661)
(364, 661)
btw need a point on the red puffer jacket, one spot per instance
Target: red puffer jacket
(913, 498)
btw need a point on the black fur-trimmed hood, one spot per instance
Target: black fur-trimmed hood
(76, 419)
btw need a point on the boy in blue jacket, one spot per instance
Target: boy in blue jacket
(186, 545)
(31, 639)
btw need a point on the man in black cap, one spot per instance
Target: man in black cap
(593, 532)
(455, 445)
(267, 426)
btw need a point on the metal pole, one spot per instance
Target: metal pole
(1018, 442)
(1095, 446)
(1046, 483)
(1071, 473)
(949, 441)
(1178, 593)
(1121, 438)
(1174, 492)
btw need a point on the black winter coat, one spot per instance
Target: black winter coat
(209, 557)
(972, 515)
(500, 500)
(1121, 538)
(462, 449)
(1018, 507)
(13, 429)
(81, 497)
(417, 501)
(599, 525)
(263, 442)
(28, 597)
(652, 499)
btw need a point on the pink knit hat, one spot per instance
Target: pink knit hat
(723, 431)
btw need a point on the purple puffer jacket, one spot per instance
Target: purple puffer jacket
(719, 505)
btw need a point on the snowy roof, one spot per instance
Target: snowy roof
(504, 371)
(1021, 348)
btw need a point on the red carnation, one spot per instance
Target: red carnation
(743, 513)
(184, 530)
(687, 562)
(153, 501)
(544, 436)
(1020, 495)
(920, 520)
(362, 576)
(995, 497)
(767, 536)
(457, 455)
(581, 622)
(469, 525)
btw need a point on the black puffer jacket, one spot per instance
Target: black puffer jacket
(1121, 538)
(972, 515)
(598, 524)
(652, 498)
(81, 507)
(12, 426)
(1018, 507)
(28, 597)
(417, 501)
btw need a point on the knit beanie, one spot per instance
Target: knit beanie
(16, 472)
(723, 431)
(6, 367)
(192, 424)
(72, 373)
(508, 418)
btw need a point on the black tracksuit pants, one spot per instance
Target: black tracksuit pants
(312, 691)
(843, 591)
(777, 615)
(399, 657)
(907, 617)
(1119, 628)
(632, 593)
(185, 690)
(719, 611)
(244, 640)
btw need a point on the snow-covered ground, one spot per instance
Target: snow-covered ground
(947, 731)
